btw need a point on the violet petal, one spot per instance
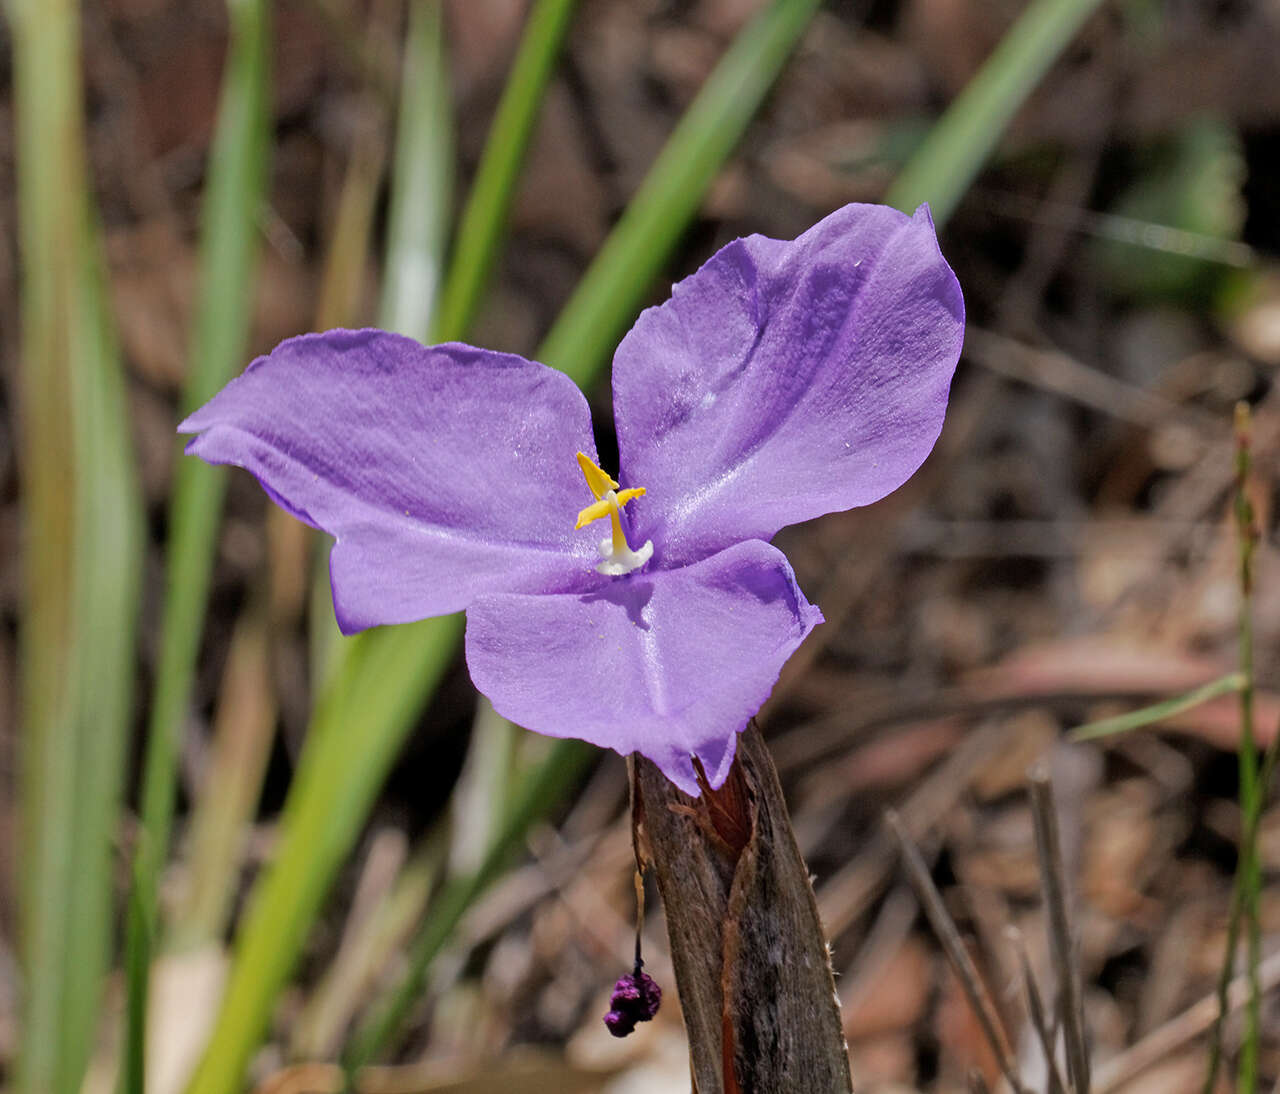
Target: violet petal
(785, 380)
(666, 663)
(443, 472)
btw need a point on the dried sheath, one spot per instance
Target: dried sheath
(750, 956)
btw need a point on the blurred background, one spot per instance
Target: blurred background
(295, 851)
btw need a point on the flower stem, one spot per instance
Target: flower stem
(750, 954)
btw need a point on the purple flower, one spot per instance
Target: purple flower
(783, 380)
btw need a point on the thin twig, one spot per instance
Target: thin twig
(1061, 945)
(949, 935)
(1085, 384)
(1036, 1012)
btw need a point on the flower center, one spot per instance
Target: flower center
(617, 557)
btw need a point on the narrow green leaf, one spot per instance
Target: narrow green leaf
(244, 724)
(422, 180)
(375, 684)
(82, 563)
(965, 136)
(1230, 684)
(234, 195)
(614, 287)
(485, 217)
(1251, 791)
(381, 683)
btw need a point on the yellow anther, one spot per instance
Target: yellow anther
(607, 505)
(594, 511)
(598, 482)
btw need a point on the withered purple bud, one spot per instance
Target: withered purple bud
(636, 998)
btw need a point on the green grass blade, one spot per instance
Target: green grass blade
(243, 729)
(378, 682)
(1251, 790)
(81, 564)
(422, 180)
(109, 555)
(109, 550)
(45, 94)
(234, 195)
(613, 289)
(485, 217)
(958, 145)
(417, 235)
(1230, 684)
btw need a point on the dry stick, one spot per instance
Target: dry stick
(987, 692)
(1195, 1020)
(949, 935)
(1053, 877)
(1061, 374)
(1036, 1011)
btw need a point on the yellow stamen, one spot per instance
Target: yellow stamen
(608, 506)
(598, 482)
(594, 511)
(618, 556)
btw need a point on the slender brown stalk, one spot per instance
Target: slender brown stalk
(1038, 1015)
(748, 947)
(1061, 942)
